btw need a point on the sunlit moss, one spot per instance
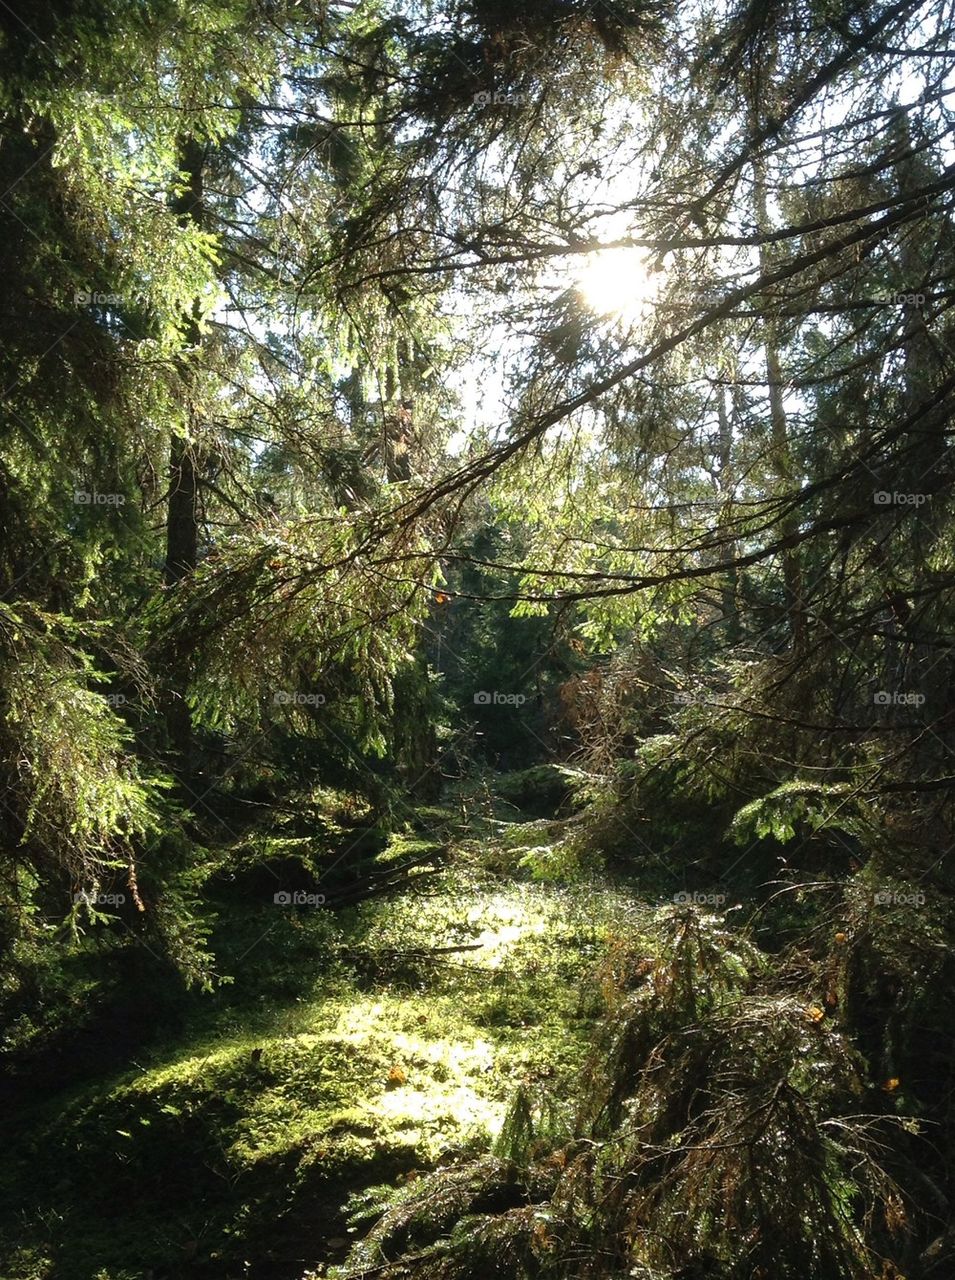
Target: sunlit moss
(374, 1043)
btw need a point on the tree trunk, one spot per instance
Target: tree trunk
(779, 427)
(730, 580)
(182, 517)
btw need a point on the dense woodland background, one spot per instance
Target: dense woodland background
(477, 597)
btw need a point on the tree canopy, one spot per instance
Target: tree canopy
(543, 404)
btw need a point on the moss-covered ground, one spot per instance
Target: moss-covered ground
(352, 1051)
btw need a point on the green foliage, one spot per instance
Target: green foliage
(796, 804)
(83, 803)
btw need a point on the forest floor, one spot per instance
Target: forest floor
(350, 1052)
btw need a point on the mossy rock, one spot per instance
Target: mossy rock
(545, 790)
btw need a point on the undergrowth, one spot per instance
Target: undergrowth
(725, 1127)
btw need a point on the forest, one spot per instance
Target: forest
(477, 607)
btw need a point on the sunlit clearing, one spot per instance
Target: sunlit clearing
(617, 282)
(505, 923)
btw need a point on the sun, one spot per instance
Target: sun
(617, 283)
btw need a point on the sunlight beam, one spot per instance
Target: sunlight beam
(616, 283)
